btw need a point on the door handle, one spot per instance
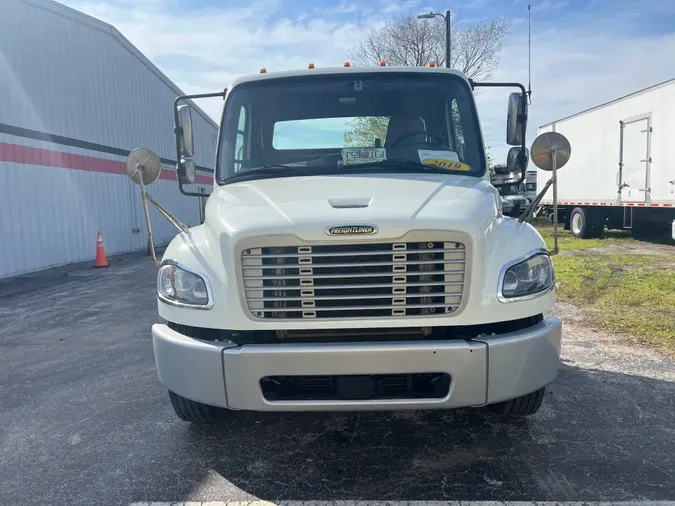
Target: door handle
(672, 182)
(648, 190)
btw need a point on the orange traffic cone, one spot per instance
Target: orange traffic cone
(101, 259)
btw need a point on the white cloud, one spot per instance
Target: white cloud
(391, 7)
(344, 8)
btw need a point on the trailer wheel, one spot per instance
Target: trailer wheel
(195, 412)
(585, 224)
(521, 406)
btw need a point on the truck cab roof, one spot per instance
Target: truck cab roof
(262, 76)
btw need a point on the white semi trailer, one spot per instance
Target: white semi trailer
(621, 174)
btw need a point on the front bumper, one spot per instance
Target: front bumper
(482, 371)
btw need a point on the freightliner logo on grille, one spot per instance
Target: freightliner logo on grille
(352, 230)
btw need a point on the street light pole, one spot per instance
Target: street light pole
(448, 31)
(448, 38)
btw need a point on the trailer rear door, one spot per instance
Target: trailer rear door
(634, 157)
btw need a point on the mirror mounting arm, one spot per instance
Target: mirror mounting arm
(178, 131)
(523, 115)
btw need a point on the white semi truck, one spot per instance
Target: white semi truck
(354, 254)
(531, 185)
(622, 174)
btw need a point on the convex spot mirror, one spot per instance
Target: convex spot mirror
(188, 171)
(516, 121)
(143, 164)
(547, 144)
(517, 159)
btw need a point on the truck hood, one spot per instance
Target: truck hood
(391, 202)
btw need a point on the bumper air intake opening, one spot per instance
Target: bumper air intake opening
(356, 387)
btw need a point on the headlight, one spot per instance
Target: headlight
(528, 278)
(180, 287)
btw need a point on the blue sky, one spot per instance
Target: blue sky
(583, 52)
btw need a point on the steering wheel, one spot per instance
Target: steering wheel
(417, 132)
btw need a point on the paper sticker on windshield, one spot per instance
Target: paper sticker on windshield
(363, 155)
(445, 159)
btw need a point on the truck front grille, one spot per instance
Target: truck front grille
(354, 280)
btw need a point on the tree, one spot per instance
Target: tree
(488, 157)
(364, 130)
(406, 41)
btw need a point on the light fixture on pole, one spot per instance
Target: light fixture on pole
(448, 31)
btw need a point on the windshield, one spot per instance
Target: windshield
(327, 122)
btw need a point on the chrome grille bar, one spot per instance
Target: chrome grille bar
(355, 253)
(356, 297)
(365, 308)
(366, 285)
(359, 264)
(346, 275)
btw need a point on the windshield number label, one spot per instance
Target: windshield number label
(444, 159)
(446, 164)
(363, 155)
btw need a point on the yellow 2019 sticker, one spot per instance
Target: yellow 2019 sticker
(446, 164)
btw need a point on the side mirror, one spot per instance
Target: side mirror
(187, 171)
(185, 135)
(516, 119)
(517, 160)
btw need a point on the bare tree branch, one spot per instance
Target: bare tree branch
(406, 41)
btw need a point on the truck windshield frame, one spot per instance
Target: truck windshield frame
(441, 106)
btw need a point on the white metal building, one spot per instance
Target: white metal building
(76, 97)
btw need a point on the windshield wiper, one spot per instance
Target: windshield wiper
(266, 171)
(395, 165)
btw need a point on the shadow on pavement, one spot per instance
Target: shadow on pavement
(599, 436)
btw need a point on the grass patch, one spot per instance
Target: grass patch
(566, 241)
(632, 293)
(628, 293)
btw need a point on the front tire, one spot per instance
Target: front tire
(195, 412)
(520, 406)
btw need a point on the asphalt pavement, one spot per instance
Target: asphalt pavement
(84, 420)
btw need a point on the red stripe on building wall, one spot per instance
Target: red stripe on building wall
(51, 158)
